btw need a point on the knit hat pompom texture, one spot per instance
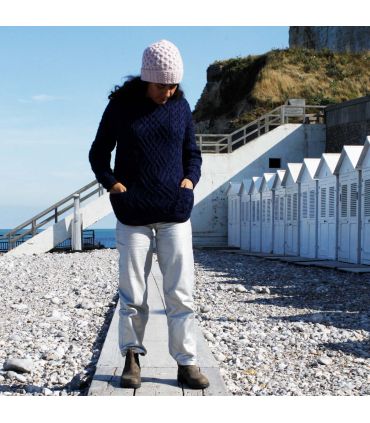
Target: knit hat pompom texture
(162, 63)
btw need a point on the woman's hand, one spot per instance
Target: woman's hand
(186, 183)
(117, 188)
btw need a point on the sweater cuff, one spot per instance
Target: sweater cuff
(193, 179)
(107, 180)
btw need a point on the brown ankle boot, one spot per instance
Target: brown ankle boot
(192, 377)
(131, 373)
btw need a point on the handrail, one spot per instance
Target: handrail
(256, 128)
(12, 236)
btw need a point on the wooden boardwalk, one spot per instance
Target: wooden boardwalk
(158, 368)
(305, 261)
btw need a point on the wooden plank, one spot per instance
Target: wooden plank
(158, 368)
(354, 269)
(159, 381)
(300, 259)
(216, 387)
(101, 379)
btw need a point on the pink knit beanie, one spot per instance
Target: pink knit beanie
(162, 63)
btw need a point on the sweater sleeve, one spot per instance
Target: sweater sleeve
(101, 148)
(192, 159)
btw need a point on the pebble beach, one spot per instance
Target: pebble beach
(274, 328)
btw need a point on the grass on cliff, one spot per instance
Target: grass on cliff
(266, 81)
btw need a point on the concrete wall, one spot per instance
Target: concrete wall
(290, 142)
(347, 123)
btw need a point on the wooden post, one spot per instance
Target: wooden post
(76, 225)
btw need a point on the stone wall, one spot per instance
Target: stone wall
(335, 38)
(347, 123)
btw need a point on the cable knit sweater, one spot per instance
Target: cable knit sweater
(156, 150)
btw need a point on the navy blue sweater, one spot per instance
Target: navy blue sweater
(156, 150)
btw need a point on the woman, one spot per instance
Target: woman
(157, 166)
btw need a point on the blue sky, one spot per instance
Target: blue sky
(53, 90)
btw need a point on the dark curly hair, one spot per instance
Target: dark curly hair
(135, 89)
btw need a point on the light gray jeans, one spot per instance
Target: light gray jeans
(176, 262)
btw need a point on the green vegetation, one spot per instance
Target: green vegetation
(266, 81)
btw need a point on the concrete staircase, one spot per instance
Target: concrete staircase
(64, 224)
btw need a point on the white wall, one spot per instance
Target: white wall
(290, 142)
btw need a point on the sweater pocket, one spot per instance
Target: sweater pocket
(184, 203)
(119, 204)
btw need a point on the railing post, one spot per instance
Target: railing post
(244, 136)
(229, 146)
(258, 127)
(218, 146)
(56, 214)
(200, 143)
(10, 244)
(76, 224)
(266, 124)
(282, 115)
(33, 227)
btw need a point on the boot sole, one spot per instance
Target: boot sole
(180, 380)
(127, 384)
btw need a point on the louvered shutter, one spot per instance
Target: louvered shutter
(344, 200)
(304, 204)
(331, 201)
(289, 207)
(323, 202)
(312, 204)
(367, 198)
(353, 204)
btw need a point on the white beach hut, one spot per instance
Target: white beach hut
(245, 214)
(348, 219)
(256, 214)
(292, 209)
(364, 167)
(267, 218)
(233, 216)
(308, 216)
(327, 206)
(278, 228)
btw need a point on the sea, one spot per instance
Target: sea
(106, 237)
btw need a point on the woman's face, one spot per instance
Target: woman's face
(160, 93)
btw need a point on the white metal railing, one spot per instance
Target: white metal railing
(52, 213)
(227, 143)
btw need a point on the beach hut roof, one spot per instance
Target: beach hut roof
(279, 177)
(311, 165)
(245, 186)
(293, 170)
(233, 188)
(268, 179)
(364, 151)
(257, 181)
(331, 160)
(353, 153)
